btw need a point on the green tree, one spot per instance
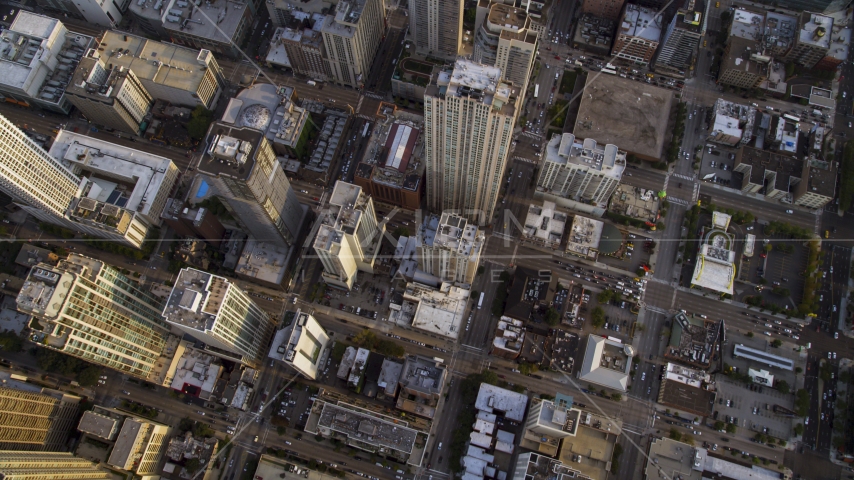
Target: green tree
(776, 343)
(675, 434)
(799, 429)
(719, 425)
(605, 296)
(731, 429)
(11, 342)
(192, 465)
(750, 334)
(200, 120)
(597, 317)
(617, 396)
(88, 376)
(400, 232)
(552, 316)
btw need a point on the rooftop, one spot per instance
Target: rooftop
(840, 42)
(641, 22)
(816, 30)
(733, 119)
(559, 416)
(268, 109)
(127, 178)
(691, 16)
(771, 170)
(423, 374)
(492, 399)
(687, 389)
(670, 459)
(161, 63)
(454, 233)
(510, 335)
(390, 376)
(747, 25)
(31, 255)
(606, 363)
(545, 223)
(624, 112)
(39, 56)
(605, 158)
(196, 299)
(541, 467)
(635, 202)
(265, 262)
(822, 178)
(507, 17)
(231, 151)
(438, 311)
(367, 427)
(101, 426)
(529, 295)
(780, 30)
(216, 22)
(744, 56)
(399, 144)
(693, 339)
(196, 373)
(477, 81)
(762, 357)
(584, 236)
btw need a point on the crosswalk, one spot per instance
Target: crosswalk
(683, 177)
(678, 201)
(532, 135)
(526, 160)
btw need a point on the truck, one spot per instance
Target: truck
(312, 83)
(480, 302)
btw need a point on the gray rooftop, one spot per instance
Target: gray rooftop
(494, 399)
(423, 374)
(196, 299)
(98, 425)
(367, 427)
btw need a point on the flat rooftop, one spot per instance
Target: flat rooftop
(262, 261)
(670, 459)
(423, 374)
(454, 233)
(477, 81)
(816, 30)
(713, 272)
(507, 17)
(145, 173)
(747, 25)
(367, 427)
(127, 443)
(822, 178)
(231, 151)
(510, 335)
(764, 358)
(196, 372)
(541, 467)
(606, 363)
(101, 426)
(438, 311)
(584, 235)
(196, 299)
(624, 112)
(492, 399)
(216, 22)
(399, 144)
(641, 22)
(780, 30)
(161, 63)
(733, 118)
(545, 223)
(267, 108)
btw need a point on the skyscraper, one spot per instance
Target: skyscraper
(300, 344)
(349, 237)
(505, 40)
(450, 249)
(352, 38)
(436, 26)
(90, 310)
(581, 170)
(681, 39)
(35, 418)
(638, 34)
(16, 465)
(469, 115)
(217, 312)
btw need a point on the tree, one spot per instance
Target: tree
(200, 120)
(400, 232)
(675, 434)
(88, 376)
(799, 429)
(366, 338)
(526, 368)
(597, 317)
(192, 465)
(11, 342)
(730, 428)
(749, 334)
(776, 343)
(617, 396)
(639, 326)
(605, 296)
(719, 425)
(799, 370)
(552, 316)
(480, 270)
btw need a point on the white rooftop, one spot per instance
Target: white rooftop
(439, 311)
(545, 223)
(145, 171)
(196, 369)
(475, 80)
(606, 363)
(497, 400)
(566, 149)
(216, 22)
(584, 235)
(641, 22)
(454, 233)
(688, 376)
(713, 273)
(817, 31)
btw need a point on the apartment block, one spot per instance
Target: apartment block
(90, 310)
(301, 51)
(301, 344)
(743, 64)
(178, 75)
(609, 9)
(136, 444)
(469, 115)
(284, 12)
(93, 12)
(241, 167)
(450, 248)
(681, 39)
(581, 170)
(638, 34)
(732, 124)
(217, 312)
(504, 40)
(553, 418)
(351, 39)
(35, 417)
(421, 382)
(436, 26)
(113, 97)
(37, 61)
(807, 182)
(196, 222)
(15, 465)
(399, 179)
(812, 41)
(349, 236)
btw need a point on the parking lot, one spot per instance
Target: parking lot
(718, 161)
(753, 406)
(631, 254)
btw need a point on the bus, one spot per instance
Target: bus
(609, 71)
(480, 302)
(365, 130)
(791, 117)
(536, 90)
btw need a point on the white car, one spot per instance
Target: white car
(790, 212)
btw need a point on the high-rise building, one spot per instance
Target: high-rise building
(436, 26)
(92, 311)
(609, 9)
(554, 419)
(505, 40)
(217, 312)
(122, 191)
(242, 166)
(196, 222)
(812, 41)
(581, 171)
(450, 248)
(352, 38)
(301, 344)
(638, 34)
(41, 184)
(743, 64)
(469, 115)
(136, 444)
(113, 97)
(33, 74)
(303, 50)
(349, 236)
(16, 465)
(34, 417)
(681, 39)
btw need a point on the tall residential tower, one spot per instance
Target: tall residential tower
(436, 26)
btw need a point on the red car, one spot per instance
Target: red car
(557, 57)
(762, 255)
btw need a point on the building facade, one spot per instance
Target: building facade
(469, 115)
(90, 310)
(349, 237)
(581, 171)
(35, 418)
(812, 41)
(351, 39)
(436, 27)
(112, 97)
(103, 14)
(638, 34)
(301, 345)
(217, 312)
(681, 39)
(504, 40)
(15, 465)
(451, 250)
(304, 50)
(609, 9)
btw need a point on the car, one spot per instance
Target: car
(835, 334)
(834, 355)
(125, 392)
(790, 212)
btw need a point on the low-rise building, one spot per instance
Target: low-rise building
(38, 60)
(732, 124)
(136, 444)
(635, 202)
(530, 295)
(812, 42)
(534, 466)
(666, 456)
(194, 372)
(263, 263)
(397, 176)
(583, 171)
(438, 311)
(320, 164)
(186, 447)
(502, 402)
(594, 34)
(584, 236)
(693, 340)
(743, 64)
(715, 265)
(509, 338)
(301, 343)
(687, 390)
(423, 379)
(544, 225)
(638, 34)
(606, 363)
